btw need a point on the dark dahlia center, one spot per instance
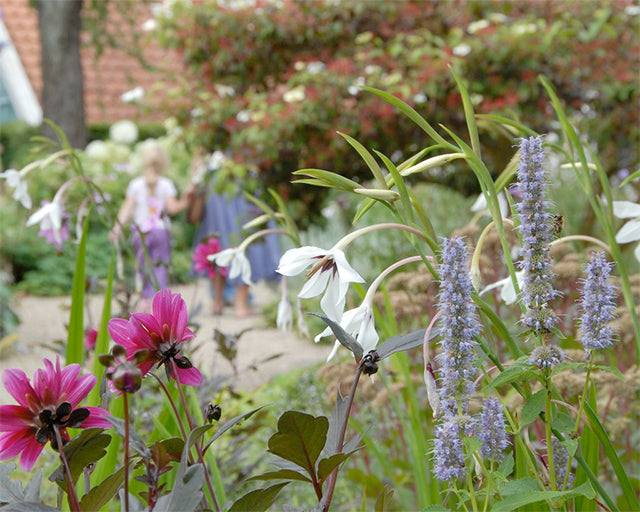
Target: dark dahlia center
(64, 416)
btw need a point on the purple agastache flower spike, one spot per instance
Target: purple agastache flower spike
(448, 449)
(492, 431)
(546, 356)
(460, 325)
(598, 304)
(536, 227)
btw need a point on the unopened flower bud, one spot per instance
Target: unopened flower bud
(378, 193)
(212, 412)
(126, 377)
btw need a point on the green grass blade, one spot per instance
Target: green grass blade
(102, 341)
(609, 450)
(75, 338)
(591, 451)
(411, 114)
(405, 200)
(368, 159)
(519, 128)
(469, 113)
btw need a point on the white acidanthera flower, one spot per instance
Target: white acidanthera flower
(330, 271)
(284, 320)
(360, 324)
(236, 260)
(508, 291)
(630, 231)
(15, 179)
(49, 216)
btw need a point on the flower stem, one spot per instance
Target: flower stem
(584, 238)
(197, 444)
(374, 285)
(74, 504)
(173, 406)
(333, 478)
(547, 424)
(125, 401)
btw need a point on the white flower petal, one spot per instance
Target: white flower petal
(223, 258)
(315, 285)
(294, 261)
(334, 350)
(332, 303)
(629, 232)
(626, 209)
(346, 272)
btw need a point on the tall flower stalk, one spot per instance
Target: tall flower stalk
(536, 227)
(459, 326)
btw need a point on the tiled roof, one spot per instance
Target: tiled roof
(106, 79)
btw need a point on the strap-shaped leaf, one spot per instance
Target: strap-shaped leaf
(282, 474)
(102, 494)
(332, 178)
(402, 342)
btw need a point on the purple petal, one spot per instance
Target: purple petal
(17, 385)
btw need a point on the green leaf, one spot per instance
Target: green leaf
(258, 500)
(326, 466)
(521, 485)
(134, 439)
(518, 371)
(300, 439)
(528, 495)
(609, 450)
(282, 474)
(75, 337)
(186, 494)
(331, 178)
(532, 407)
(383, 501)
(101, 494)
(469, 114)
(506, 466)
(87, 448)
(102, 340)
(563, 422)
(226, 426)
(337, 419)
(411, 114)
(591, 452)
(368, 159)
(404, 342)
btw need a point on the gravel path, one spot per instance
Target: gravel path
(262, 352)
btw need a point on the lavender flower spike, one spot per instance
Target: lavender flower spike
(459, 327)
(598, 304)
(536, 227)
(448, 450)
(493, 431)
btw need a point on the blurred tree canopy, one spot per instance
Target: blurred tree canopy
(274, 80)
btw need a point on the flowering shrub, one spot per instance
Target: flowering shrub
(506, 432)
(282, 112)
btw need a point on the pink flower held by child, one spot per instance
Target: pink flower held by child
(200, 261)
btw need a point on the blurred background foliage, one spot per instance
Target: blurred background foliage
(274, 81)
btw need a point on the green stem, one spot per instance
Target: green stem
(472, 492)
(333, 478)
(583, 399)
(125, 401)
(74, 504)
(547, 424)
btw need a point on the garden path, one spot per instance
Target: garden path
(262, 351)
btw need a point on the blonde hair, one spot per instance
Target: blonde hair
(156, 159)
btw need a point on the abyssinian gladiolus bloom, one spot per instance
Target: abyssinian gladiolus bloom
(160, 334)
(51, 402)
(201, 262)
(236, 260)
(330, 271)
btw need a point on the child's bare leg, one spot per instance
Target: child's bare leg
(242, 301)
(217, 282)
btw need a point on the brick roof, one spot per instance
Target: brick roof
(106, 79)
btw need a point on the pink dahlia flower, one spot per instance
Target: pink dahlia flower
(202, 263)
(51, 402)
(160, 335)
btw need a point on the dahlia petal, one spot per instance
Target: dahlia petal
(78, 390)
(162, 306)
(30, 453)
(96, 418)
(119, 330)
(69, 383)
(14, 418)
(17, 385)
(12, 443)
(188, 376)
